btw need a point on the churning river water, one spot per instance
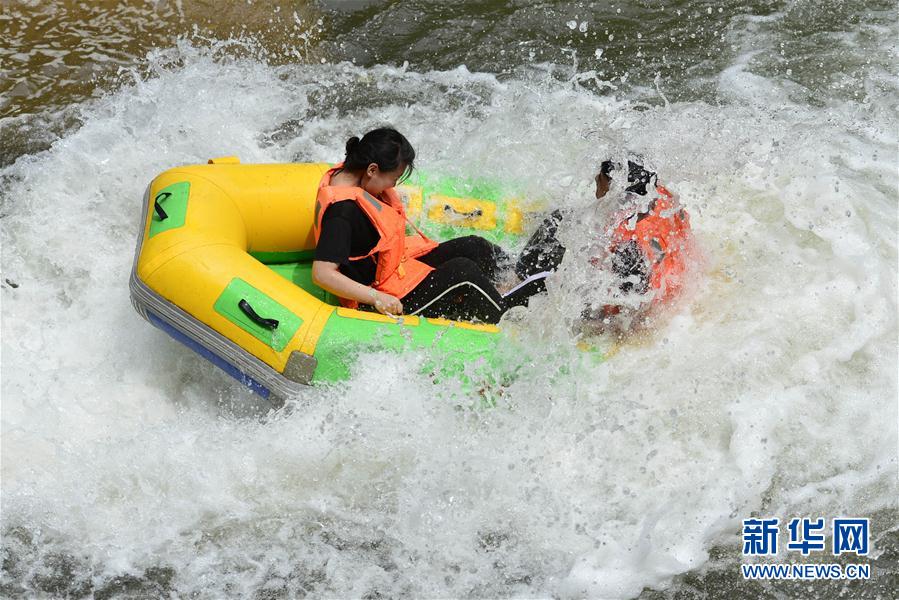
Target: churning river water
(132, 468)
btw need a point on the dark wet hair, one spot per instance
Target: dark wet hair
(637, 175)
(385, 147)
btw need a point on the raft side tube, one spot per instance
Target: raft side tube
(206, 268)
(254, 373)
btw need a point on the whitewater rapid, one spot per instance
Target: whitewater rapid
(770, 389)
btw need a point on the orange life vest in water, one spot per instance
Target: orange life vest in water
(663, 235)
(397, 272)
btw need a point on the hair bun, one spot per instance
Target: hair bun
(351, 144)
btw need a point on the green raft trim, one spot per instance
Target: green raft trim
(173, 200)
(300, 274)
(471, 188)
(228, 305)
(277, 258)
(450, 349)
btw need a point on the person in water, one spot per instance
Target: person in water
(364, 256)
(648, 241)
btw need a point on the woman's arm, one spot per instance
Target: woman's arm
(327, 276)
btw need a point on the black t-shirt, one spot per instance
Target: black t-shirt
(347, 231)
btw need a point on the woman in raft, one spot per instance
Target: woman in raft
(364, 256)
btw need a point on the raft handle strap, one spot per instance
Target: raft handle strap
(474, 214)
(158, 207)
(254, 316)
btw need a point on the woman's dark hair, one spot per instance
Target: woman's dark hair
(385, 147)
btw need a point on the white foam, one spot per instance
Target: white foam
(773, 378)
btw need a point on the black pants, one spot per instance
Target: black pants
(462, 284)
(543, 251)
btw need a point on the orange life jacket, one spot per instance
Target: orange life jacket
(397, 272)
(663, 235)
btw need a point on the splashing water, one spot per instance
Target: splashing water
(129, 464)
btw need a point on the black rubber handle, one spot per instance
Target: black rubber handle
(158, 208)
(254, 316)
(467, 215)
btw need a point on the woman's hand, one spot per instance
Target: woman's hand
(327, 275)
(385, 303)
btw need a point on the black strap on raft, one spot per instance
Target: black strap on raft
(474, 214)
(254, 316)
(158, 207)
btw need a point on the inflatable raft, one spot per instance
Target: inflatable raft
(223, 264)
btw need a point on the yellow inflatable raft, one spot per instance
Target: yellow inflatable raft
(223, 264)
